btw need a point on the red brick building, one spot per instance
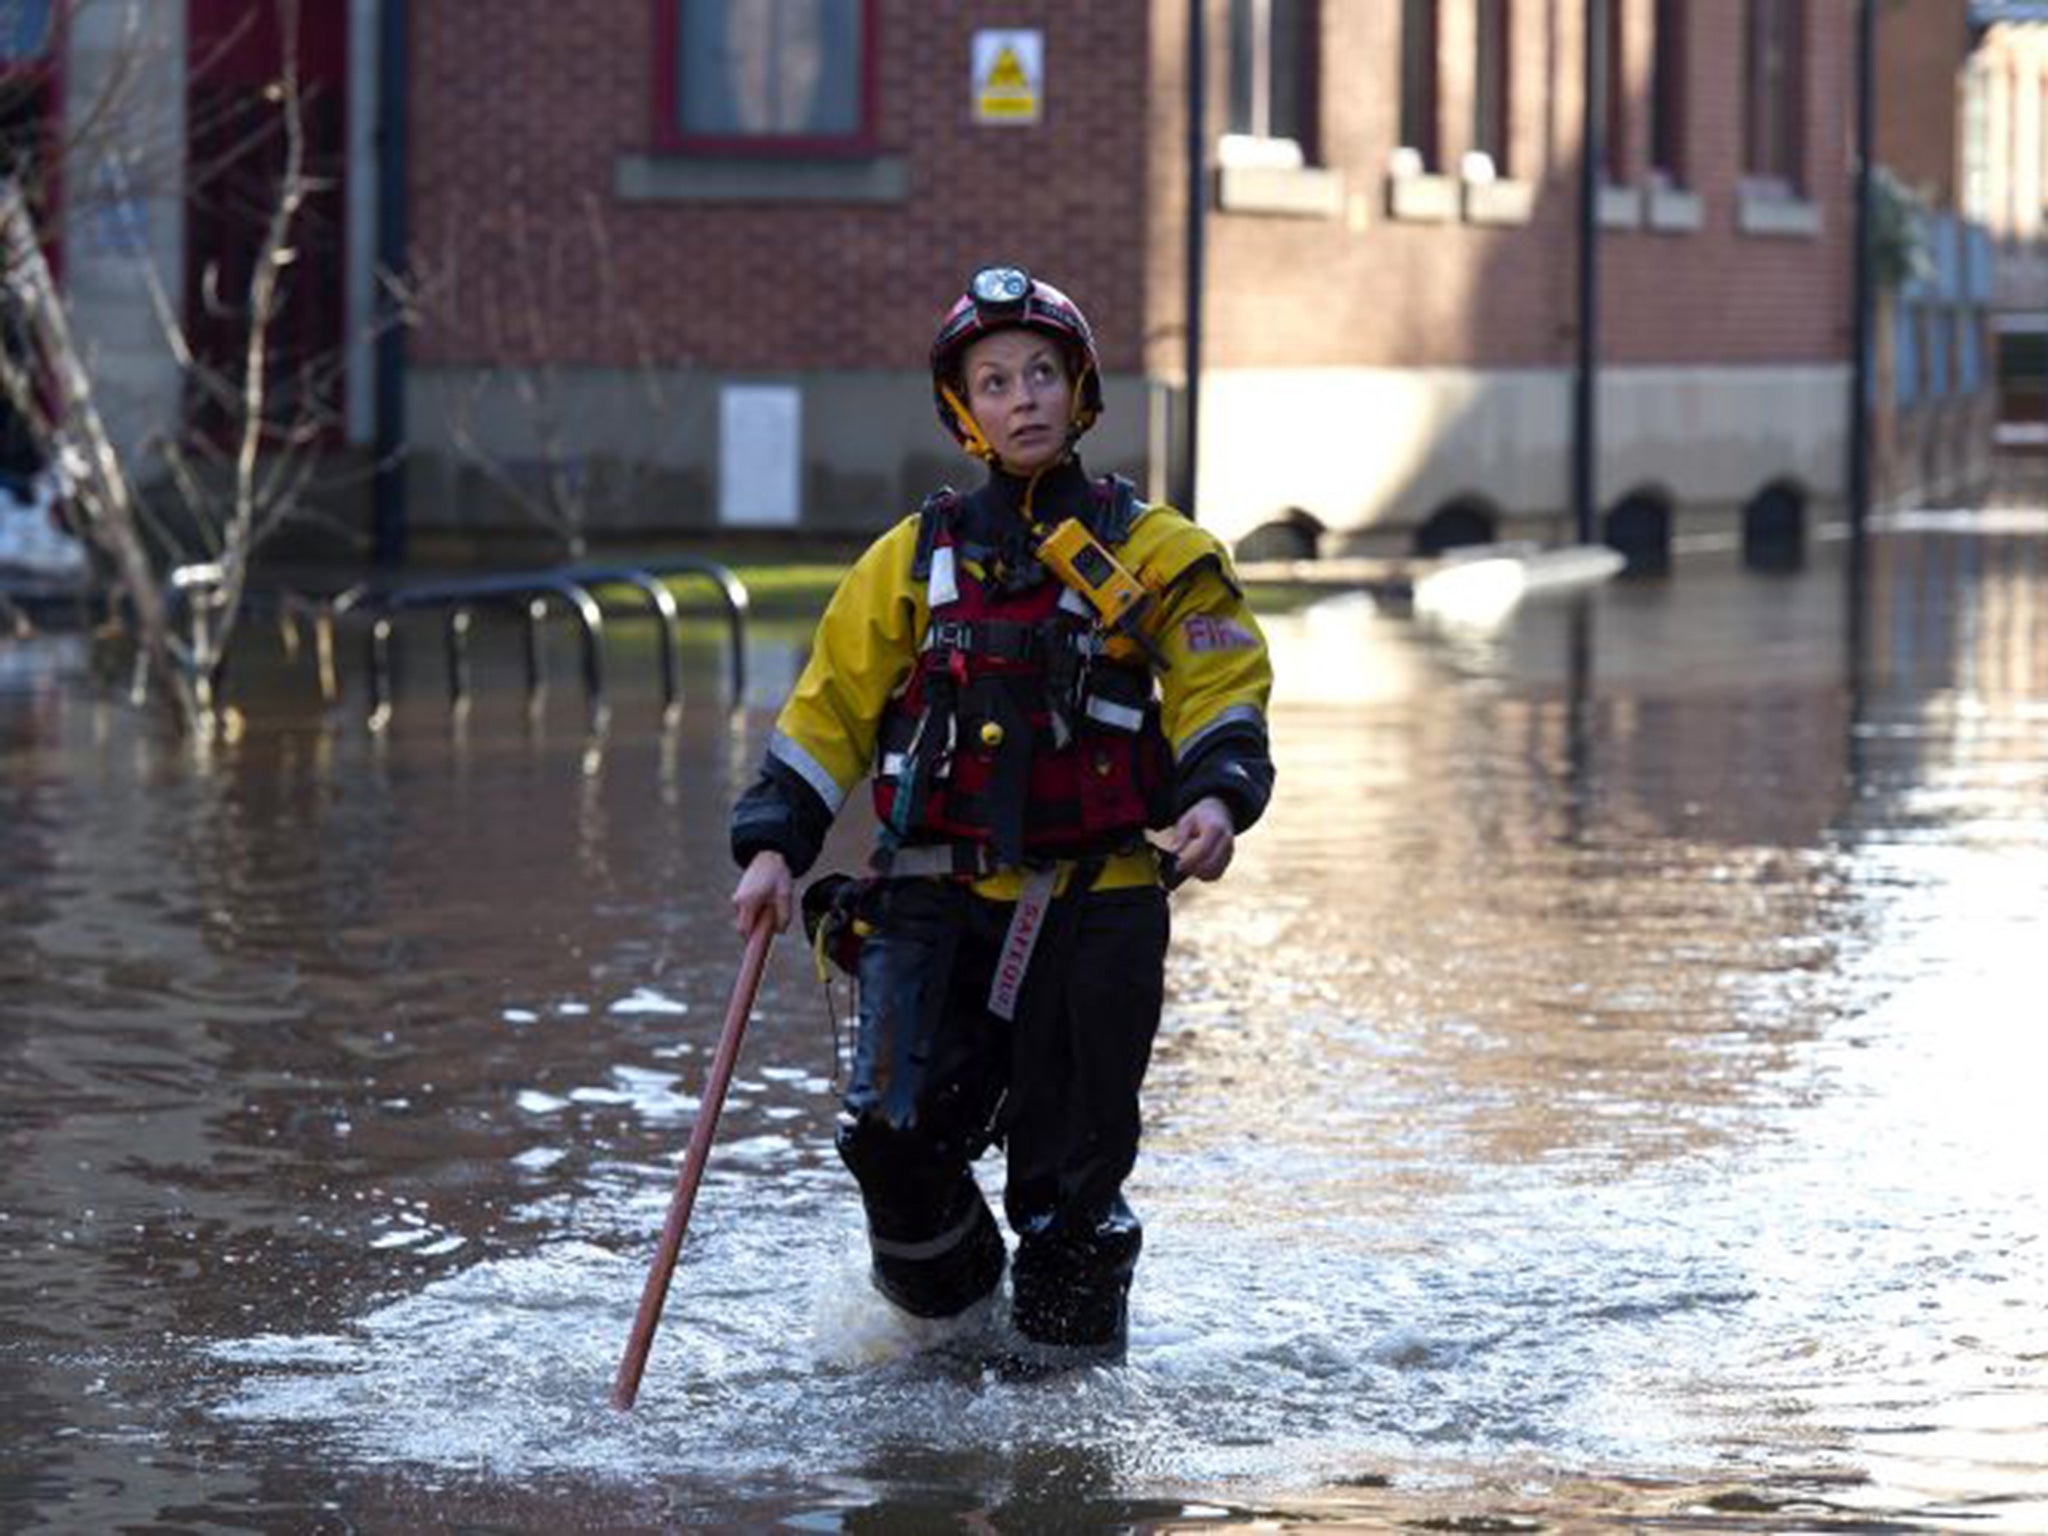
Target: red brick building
(1933, 396)
(2003, 187)
(676, 262)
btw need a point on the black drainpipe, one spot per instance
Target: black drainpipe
(1861, 284)
(1197, 277)
(389, 483)
(1586, 378)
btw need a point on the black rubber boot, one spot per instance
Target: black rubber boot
(945, 1275)
(1072, 1289)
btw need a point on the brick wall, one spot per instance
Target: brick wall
(528, 116)
(1921, 48)
(1366, 289)
(522, 109)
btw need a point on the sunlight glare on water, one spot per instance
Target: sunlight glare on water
(1604, 1093)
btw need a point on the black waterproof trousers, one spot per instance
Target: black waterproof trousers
(938, 1079)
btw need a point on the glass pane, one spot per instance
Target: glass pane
(24, 28)
(2022, 355)
(1774, 88)
(1418, 77)
(1667, 91)
(1490, 77)
(1905, 356)
(770, 68)
(1286, 118)
(1755, 89)
(1243, 106)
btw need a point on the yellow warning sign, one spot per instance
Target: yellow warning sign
(1009, 79)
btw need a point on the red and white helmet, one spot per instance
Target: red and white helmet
(1006, 299)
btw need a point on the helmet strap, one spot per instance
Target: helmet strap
(972, 438)
(1081, 421)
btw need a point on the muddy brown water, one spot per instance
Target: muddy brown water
(1606, 1094)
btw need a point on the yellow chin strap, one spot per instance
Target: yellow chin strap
(972, 438)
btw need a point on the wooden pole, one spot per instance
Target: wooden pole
(627, 1387)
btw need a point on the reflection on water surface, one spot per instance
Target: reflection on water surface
(1602, 1094)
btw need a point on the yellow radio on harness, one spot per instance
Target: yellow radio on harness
(1122, 602)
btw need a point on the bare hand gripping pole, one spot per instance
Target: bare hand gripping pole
(627, 1387)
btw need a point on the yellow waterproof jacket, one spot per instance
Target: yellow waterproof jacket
(1212, 692)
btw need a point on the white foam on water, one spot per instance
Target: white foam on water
(645, 999)
(854, 1326)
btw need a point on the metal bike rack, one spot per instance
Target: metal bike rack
(532, 592)
(661, 603)
(191, 589)
(732, 593)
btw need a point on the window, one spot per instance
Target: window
(1490, 84)
(1976, 112)
(1667, 94)
(1272, 91)
(1614, 155)
(1906, 354)
(1773, 101)
(24, 29)
(766, 75)
(1418, 80)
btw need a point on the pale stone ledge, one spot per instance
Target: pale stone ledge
(1499, 202)
(750, 179)
(1620, 207)
(1675, 211)
(1777, 215)
(1422, 198)
(1297, 191)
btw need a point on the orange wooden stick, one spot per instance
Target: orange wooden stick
(627, 1387)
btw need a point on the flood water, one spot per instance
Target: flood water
(1607, 1094)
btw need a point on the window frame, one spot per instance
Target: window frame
(669, 137)
(1760, 171)
(1493, 83)
(1260, 144)
(1418, 51)
(1670, 51)
(1616, 157)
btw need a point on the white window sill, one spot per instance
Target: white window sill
(1423, 198)
(1252, 149)
(1301, 192)
(1499, 202)
(1776, 215)
(1620, 207)
(752, 179)
(1675, 211)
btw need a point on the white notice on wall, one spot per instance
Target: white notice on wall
(760, 455)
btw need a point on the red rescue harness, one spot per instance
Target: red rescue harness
(1015, 736)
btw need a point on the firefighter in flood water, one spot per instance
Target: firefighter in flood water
(1033, 674)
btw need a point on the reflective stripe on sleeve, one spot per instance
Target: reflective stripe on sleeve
(786, 751)
(1236, 714)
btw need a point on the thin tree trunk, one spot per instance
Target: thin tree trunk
(96, 482)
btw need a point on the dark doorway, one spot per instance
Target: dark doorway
(1454, 526)
(1639, 527)
(1774, 529)
(236, 157)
